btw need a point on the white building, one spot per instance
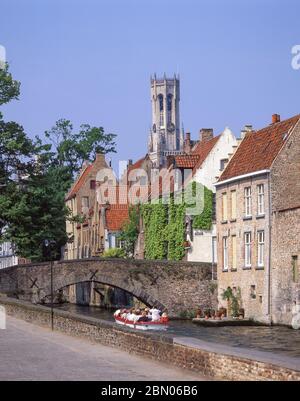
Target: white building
(207, 159)
(7, 256)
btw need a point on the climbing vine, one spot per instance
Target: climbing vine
(164, 224)
(203, 221)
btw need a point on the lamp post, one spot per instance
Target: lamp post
(48, 246)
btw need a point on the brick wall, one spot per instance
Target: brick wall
(285, 192)
(152, 345)
(244, 277)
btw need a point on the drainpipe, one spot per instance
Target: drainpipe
(270, 251)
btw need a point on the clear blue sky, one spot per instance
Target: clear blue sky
(90, 61)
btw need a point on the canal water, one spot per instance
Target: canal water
(276, 339)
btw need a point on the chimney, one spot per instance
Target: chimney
(100, 157)
(206, 134)
(245, 130)
(187, 143)
(275, 118)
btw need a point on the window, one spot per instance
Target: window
(233, 250)
(225, 253)
(169, 107)
(253, 291)
(161, 110)
(261, 199)
(260, 248)
(247, 243)
(222, 164)
(85, 201)
(295, 269)
(93, 184)
(247, 197)
(224, 207)
(233, 205)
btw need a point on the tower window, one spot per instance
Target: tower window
(169, 107)
(161, 110)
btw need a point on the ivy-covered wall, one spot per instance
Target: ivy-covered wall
(164, 225)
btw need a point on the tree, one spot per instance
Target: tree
(16, 149)
(34, 177)
(130, 231)
(71, 149)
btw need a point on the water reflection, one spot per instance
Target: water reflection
(280, 340)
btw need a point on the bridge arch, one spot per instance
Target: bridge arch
(176, 286)
(135, 291)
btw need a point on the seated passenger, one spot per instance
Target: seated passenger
(144, 317)
(164, 317)
(155, 314)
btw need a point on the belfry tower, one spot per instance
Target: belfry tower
(165, 137)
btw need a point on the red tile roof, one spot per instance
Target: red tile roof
(202, 150)
(79, 182)
(258, 149)
(137, 164)
(186, 161)
(116, 216)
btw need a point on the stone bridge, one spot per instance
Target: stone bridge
(175, 286)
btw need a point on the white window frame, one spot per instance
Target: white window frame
(248, 201)
(260, 248)
(225, 253)
(260, 199)
(224, 206)
(247, 245)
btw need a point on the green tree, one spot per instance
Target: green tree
(70, 149)
(130, 230)
(34, 177)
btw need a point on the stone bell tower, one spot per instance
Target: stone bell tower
(165, 137)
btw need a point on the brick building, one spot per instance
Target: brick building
(101, 216)
(258, 222)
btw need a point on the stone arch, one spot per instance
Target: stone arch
(136, 291)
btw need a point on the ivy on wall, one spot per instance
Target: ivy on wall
(164, 224)
(203, 221)
(155, 217)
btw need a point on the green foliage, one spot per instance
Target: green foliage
(114, 253)
(71, 148)
(175, 231)
(34, 177)
(9, 88)
(203, 221)
(130, 231)
(155, 218)
(232, 300)
(165, 223)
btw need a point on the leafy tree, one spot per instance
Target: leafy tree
(130, 231)
(34, 177)
(71, 149)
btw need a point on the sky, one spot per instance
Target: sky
(90, 61)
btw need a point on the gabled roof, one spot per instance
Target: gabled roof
(202, 150)
(258, 149)
(79, 182)
(198, 155)
(138, 163)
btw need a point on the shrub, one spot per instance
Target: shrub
(114, 253)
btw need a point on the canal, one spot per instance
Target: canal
(276, 339)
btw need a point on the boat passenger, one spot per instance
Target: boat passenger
(164, 317)
(144, 317)
(155, 314)
(117, 313)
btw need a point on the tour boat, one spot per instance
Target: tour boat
(161, 324)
